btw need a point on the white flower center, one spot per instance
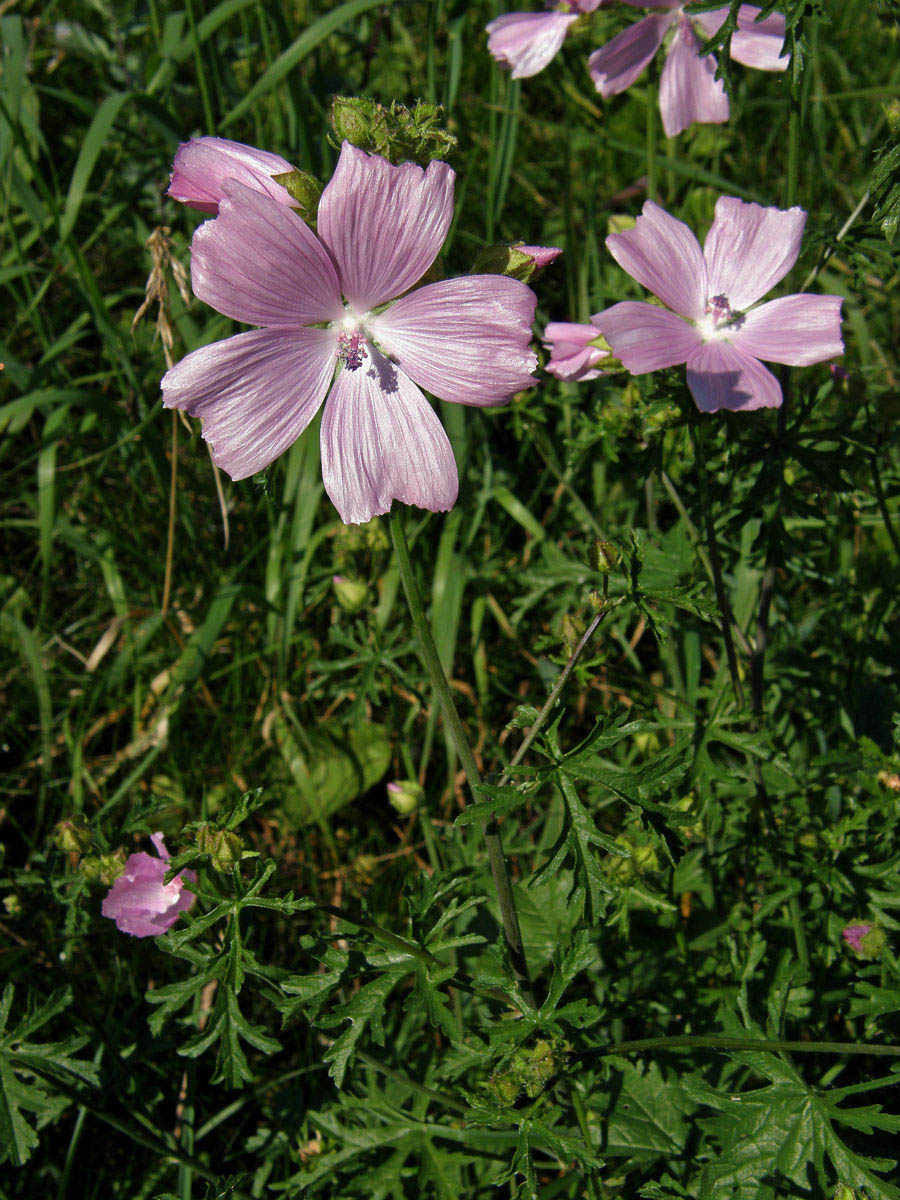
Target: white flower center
(719, 319)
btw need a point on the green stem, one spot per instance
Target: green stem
(581, 1117)
(725, 614)
(499, 871)
(714, 1042)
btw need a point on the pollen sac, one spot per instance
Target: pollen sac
(351, 350)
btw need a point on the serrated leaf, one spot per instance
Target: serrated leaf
(364, 1011)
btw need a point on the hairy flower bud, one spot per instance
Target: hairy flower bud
(405, 795)
(72, 835)
(397, 133)
(866, 940)
(516, 261)
(604, 557)
(103, 868)
(224, 848)
(351, 594)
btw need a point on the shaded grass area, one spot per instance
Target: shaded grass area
(256, 677)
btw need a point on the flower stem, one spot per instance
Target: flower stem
(499, 871)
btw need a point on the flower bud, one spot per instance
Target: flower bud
(405, 795)
(398, 134)
(304, 189)
(843, 1192)
(12, 904)
(516, 261)
(224, 848)
(604, 557)
(103, 868)
(72, 835)
(866, 940)
(505, 1086)
(351, 594)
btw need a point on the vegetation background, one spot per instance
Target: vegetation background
(687, 847)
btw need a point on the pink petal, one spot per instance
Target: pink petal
(797, 330)
(650, 3)
(755, 44)
(663, 254)
(722, 376)
(586, 6)
(381, 441)
(572, 359)
(159, 845)
(466, 339)
(646, 338)
(384, 225)
(202, 165)
(258, 262)
(527, 42)
(750, 248)
(541, 256)
(255, 392)
(615, 66)
(688, 89)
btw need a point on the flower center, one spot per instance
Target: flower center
(719, 319)
(351, 350)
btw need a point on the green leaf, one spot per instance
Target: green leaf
(364, 1011)
(330, 766)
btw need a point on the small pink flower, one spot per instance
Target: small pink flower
(688, 89)
(331, 325)
(572, 357)
(712, 325)
(140, 901)
(853, 936)
(526, 42)
(201, 167)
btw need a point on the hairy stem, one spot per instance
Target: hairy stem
(499, 870)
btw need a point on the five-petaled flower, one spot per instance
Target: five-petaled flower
(688, 89)
(140, 901)
(712, 325)
(526, 42)
(337, 318)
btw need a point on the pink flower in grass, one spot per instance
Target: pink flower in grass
(201, 167)
(688, 89)
(330, 324)
(573, 357)
(712, 325)
(140, 901)
(526, 42)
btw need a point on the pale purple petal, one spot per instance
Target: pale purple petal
(383, 224)
(259, 263)
(526, 42)
(663, 254)
(615, 66)
(202, 165)
(646, 338)
(750, 248)
(466, 339)
(754, 43)
(650, 3)
(381, 441)
(159, 845)
(541, 256)
(722, 376)
(255, 392)
(688, 89)
(572, 358)
(140, 901)
(797, 330)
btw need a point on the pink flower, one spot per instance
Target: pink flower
(526, 42)
(331, 325)
(140, 901)
(853, 936)
(201, 167)
(572, 356)
(688, 90)
(712, 326)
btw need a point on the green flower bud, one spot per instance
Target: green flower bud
(621, 870)
(103, 868)
(405, 795)
(505, 1086)
(645, 859)
(397, 133)
(604, 557)
(351, 594)
(224, 848)
(12, 904)
(305, 189)
(72, 835)
(842, 1192)
(517, 261)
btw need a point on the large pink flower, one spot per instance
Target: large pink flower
(713, 325)
(331, 324)
(526, 42)
(140, 901)
(688, 89)
(202, 165)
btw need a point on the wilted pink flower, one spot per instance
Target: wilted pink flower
(572, 356)
(140, 901)
(688, 89)
(201, 167)
(526, 42)
(327, 329)
(713, 327)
